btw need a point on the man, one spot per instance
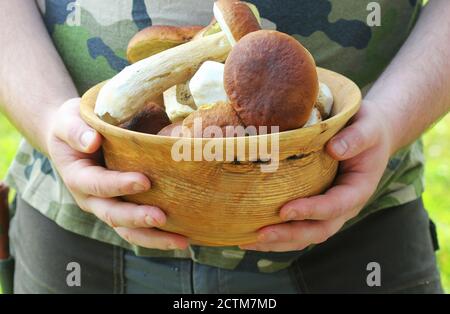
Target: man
(371, 219)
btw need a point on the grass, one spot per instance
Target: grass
(9, 140)
(436, 197)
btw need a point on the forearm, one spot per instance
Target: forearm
(414, 90)
(34, 80)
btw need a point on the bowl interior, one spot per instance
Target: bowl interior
(347, 100)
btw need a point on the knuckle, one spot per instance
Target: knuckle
(73, 133)
(126, 234)
(300, 247)
(261, 248)
(359, 138)
(170, 246)
(323, 234)
(71, 176)
(108, 218)
(159, 245)
(95, 188)
(120, 188)
(293, 233)
(84, 207)
(306, 212)
(140, 218)
(354, 212)
(71, 183)
(336, 209)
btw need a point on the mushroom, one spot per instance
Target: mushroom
(271, 80)
(127, 92)
(215, 120)
(154, 39)
(184, 95)
(324, 101)
(236, 19)
(314, 118)
(150, 120)
(206, 86)
(175, 109)
(212, 28)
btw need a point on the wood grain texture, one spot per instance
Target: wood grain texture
(223, 203)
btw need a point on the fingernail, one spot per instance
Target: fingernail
(248, 247)
(291, 215)
(172, 246)
(268, 237)
(87, 137)
(139, 188)
(151, 222)
(340, 147)
(158, 221)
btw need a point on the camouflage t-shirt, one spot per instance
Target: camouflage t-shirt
(91, 37)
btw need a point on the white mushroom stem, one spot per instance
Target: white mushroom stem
(206, 85)
(223, 25)
(127, 92)
(324, 101)
(314, 118)
(175, 110)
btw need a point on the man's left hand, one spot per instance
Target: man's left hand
(364, 148)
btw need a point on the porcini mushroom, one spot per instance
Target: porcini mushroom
(150, 120)
(206, 86)
(127, 92)
(271, 80)
(175, 109)
(236, 19)
(220, 116)
(314, 118)
(324, 101)
(157, 38)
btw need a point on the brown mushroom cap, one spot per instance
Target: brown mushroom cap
(149, 120)
(239, 18)
(271, 80)
(220, 115)
(157, 38)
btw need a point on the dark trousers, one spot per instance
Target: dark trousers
(391, 251)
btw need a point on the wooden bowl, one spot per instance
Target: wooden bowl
(221, 203)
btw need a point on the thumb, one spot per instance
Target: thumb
(354, 139)
(71, 129)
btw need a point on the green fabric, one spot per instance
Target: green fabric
(336, 33)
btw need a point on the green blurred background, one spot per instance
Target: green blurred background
(437, 197)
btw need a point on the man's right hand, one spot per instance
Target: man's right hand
(73, 148)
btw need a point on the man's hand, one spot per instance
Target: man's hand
(364, 148)
(73, 148)
(410, 95)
